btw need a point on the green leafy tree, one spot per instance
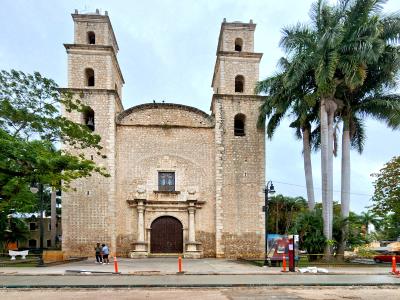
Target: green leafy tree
(313, 222)
(11, 230)
(389, 228)
(309, 227)
(32, 128)
(283, 212)
(386, 198)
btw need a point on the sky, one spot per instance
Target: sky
(167, 52)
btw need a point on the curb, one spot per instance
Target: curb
(140, 273)
(224, 285)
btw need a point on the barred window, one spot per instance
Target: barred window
(166, 181)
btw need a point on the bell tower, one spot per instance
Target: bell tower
(95, 78)
(92, 58)
(240, 155)
(236, 67)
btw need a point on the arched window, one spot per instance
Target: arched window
(238, 125)
(91, 37)
(238, 44)
(89, 77)
(88, 118)
(239, 84)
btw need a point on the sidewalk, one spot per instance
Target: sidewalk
(169, 266)
(162, 272)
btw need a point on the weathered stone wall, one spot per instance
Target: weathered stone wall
(225, 171)
(231, 31)
(207, 239)
(239, 178)
(89, 212)
(99, 24)
(239, 160)
(165, 115)
(232, 66)
(145, 146)
(103, 64)
(231, 63)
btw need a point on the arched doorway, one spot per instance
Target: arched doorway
(166, 235)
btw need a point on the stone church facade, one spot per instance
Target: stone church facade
(182, 181)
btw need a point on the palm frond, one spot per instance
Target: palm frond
(315, 138)
(357, 133)
(384, 108)
(391, 28)
(296, 38)
(273, 124)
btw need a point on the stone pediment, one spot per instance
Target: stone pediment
(165, 115)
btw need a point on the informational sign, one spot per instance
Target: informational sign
(278, 246)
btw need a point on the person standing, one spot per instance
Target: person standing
(106, 252)
(98, 250)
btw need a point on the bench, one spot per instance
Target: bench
(13, 254)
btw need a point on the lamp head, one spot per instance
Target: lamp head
(34, 188)
(271, 189)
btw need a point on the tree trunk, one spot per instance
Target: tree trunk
(330, 168)
(345, 182)
(308, 168)
(53, 212)
(324, 173)
(331, 109)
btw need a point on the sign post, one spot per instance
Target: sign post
(291, 254)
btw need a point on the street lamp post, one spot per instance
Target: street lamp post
(34, 189)
(269, 189)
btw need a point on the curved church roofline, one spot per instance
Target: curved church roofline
(146, 106)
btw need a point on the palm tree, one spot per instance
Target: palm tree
(366, 219)
(284, 211)
(372, 99)
(340, 43)
(299, 102)
(293, 206)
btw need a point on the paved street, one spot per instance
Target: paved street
(256, 293)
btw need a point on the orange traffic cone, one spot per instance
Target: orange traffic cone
(180, 265)
(115, 264)
(394, 264)
(284, 263)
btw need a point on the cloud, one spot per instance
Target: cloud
(167, 52)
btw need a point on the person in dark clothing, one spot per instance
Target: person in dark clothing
(99, 258)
